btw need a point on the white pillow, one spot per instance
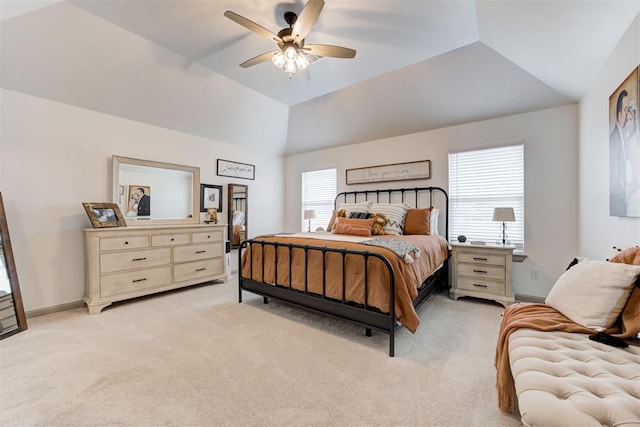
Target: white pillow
(433, 222)
(593, 293)
(395, 213)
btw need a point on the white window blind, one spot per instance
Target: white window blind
(481, 180)
(318, 193)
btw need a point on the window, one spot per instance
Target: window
(481, 180)
(318, 193)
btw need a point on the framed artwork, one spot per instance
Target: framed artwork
(210, 197)
(624, 148)
(393, 172)
(104, 215)
(236, 170)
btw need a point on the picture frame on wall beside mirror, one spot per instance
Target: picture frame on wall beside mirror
(12, 315)
(176, 191)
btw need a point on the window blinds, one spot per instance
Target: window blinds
(318, 193)
(481, 180)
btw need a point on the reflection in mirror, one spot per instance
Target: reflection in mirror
(155, 192)
(12, 317)
(237, 212)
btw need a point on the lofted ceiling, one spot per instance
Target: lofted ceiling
(420, 64)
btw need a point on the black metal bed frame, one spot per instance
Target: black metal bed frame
(362, 314)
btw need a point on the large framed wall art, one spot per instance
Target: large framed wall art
(236, 169)
(392, 172)
(624, 148)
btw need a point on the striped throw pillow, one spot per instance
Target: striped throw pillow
(395, 213)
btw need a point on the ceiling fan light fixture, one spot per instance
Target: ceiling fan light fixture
(290, 67)
(278, 59)
(301, 61)
(290, 53)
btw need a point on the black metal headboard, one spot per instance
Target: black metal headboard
(417, 197)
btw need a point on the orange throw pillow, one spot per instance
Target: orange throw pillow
(353, 226)
(628, 256)
(417, 221)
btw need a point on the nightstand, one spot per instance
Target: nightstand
(482, 271)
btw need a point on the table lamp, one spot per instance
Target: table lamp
(309, 215)
(504, 215)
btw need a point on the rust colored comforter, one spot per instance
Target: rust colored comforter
(408, 277)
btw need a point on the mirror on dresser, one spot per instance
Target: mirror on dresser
(150, 192)
(12, 316)
(238, 214)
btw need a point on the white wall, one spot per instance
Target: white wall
(551, 179)
(55, 156)
(599, 232)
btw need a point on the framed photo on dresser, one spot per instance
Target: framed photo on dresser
(104, 215)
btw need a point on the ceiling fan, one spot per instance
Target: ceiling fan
(292, 54)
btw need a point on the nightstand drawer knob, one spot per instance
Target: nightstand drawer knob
(480, 271)
(477, 258)
(479, 286)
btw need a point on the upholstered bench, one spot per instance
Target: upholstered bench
(566, 379)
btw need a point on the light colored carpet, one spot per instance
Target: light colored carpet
(196, 357)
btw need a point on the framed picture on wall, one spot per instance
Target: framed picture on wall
(210, 197)
(236, 169)
(624, 148)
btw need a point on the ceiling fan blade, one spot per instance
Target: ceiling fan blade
(259, 59)
(250, 25)
(328, 50)
(306, 19)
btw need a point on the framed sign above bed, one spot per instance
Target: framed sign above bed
(392, 172)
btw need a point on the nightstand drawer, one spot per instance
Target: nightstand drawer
(481, 271)
(481, 258)
(475, 284)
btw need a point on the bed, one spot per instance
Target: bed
(375, 281)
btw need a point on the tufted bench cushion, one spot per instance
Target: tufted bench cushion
(565, 379)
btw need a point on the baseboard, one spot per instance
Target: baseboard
(529, 298)
(54, 309)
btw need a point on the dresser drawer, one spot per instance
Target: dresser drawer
(481, 271)
(196, 252)
(120, 283)
(210, 236)
(6, 301)
(481, 258)
(170, 239)
(480, 285)
(117, 243)
(118, 261)
(198, 269)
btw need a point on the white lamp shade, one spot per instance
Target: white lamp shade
(504, 214)
(309, 214)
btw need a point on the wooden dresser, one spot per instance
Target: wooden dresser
(482, 271)
(128, 262)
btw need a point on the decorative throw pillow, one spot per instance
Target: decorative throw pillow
(355, 207)
(628, 256)
(417, 221)
(360, 215)
(353, 226)
(593, 293)
(395, 213)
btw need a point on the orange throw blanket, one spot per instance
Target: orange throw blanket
(545, 318)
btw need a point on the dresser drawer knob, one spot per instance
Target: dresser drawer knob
(201, 269)
(480, 271)
(479, 285)
(126, 243)
(139, 259)
(139, 280)
(477, 258)
(200, 252)
(172, 239)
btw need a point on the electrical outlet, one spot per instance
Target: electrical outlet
(535, 273)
